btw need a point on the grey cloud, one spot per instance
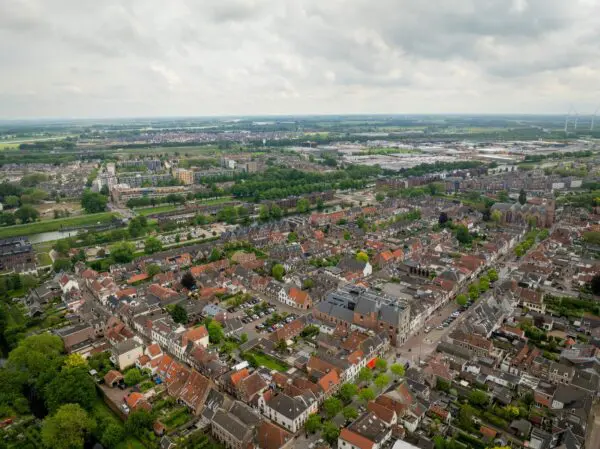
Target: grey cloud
(114, 57)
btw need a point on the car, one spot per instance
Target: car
(122, 386)
(258, 327)
(440, 327)
(261, 314)
(445, 324)
(125, 408)
(255, 317)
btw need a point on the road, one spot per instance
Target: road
(592, 440)
(421, 345)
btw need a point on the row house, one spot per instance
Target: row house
(290, 412)
(294, 297)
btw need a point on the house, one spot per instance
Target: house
(67, 283)
(354, 269)
(113, 378)
(294, 297)
(367, 432)
(126, 353)
(270, 436)
(290, 412)
(235, 427)
(163, 294)
(195, 391)
(74, 336)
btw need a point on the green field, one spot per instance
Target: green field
(55, 225)
(155, 210)
(269, 362)
(44, 259)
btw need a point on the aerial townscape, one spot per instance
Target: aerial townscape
(209, 241)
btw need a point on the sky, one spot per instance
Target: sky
(140, 58)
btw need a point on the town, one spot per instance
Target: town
(353, 293)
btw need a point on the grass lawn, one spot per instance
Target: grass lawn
(176, 418)
(44, 259)
(269, 362)
(55, 225)
(130, 443)
(155, 210)
(223, 199)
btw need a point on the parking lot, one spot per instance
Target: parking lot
(261, 317)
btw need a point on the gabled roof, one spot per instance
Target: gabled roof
(270, 436)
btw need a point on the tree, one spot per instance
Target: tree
(332, 406)
(462, 235)
(443, 219)
(492, 275)
(382, 381)
(361, 256)
(62, 265)
(522, 197)
(484, 284)
(307, 284)
(11, 201)
(276, 211)
(27, 214)
(188, 280)
(179, 314)
(302, 206)
(243, 338)
(595, 284)
(113, 435)
(347, 235)
(330, 432)
(152, 245)
(349, 413)
(215, 255)
(292, 237)
(152, 270)
(496, 216)
(215, 332)
(320, 204)
(365, 374)
(397, 370)
(347, 392)
(263, 213)
(461, 299)
(133, 377)
(71, 385)
(380, 197)
(93, 202)
(34, 355)
(503, 196)
(67, 428)
(366, 394)
(478, 398)
(138, 422)
(75, 360)
(313, 423)
(281, 345)
(381, 364)
(123, 252)
(278, 271)
(473, 291)
(137, 226)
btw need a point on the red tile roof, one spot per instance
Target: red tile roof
(270, 436)
(355, 439)
(137, 278)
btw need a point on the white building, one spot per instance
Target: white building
(289, 412)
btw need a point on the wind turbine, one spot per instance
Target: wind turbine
(594, 118)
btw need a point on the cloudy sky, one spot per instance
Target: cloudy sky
(118, 58)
